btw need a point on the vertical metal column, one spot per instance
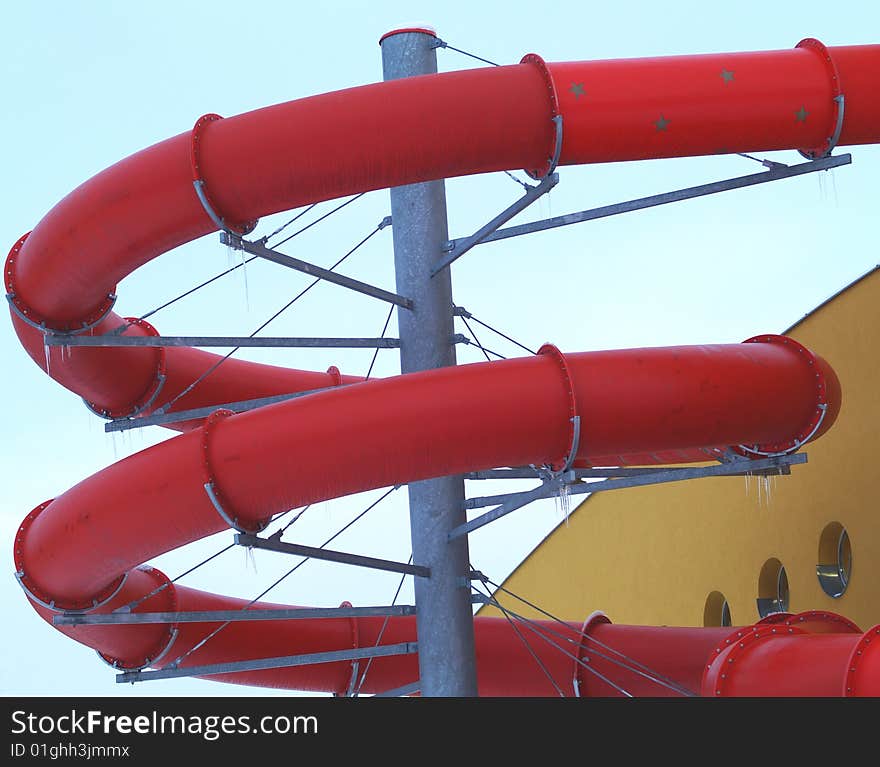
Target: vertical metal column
(444, 616)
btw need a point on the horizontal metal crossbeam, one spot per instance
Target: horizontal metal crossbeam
(228, 616)
(286, 661)
(513, 501)
(527, 472)
(273, 544)
(239, 341)
(601, 473)
(776, 173)
(123, 424)
(258, 249)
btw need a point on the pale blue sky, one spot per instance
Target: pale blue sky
(87, 83)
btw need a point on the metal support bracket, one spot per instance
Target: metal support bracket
(455, 249)
(258, 249)
(509, 502)
(776, 173)
(286, 661)
(275, 544)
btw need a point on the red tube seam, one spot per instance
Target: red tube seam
(855, 658)
(597, 616)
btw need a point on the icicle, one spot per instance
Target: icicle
(115, 446)
(47, 351)
(563, 501)
(250, 559)
(247, 299)
(769, 484)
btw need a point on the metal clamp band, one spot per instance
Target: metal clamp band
(593, 618)
(55, 607)
(796, 445)
(172, 633)
(201, 188)
(565, 463)
(25, 315)
(115, 664)
(212, 488)
(837, 97)
(555, 116)
(334, 373)
(148, 399)
(773, 450)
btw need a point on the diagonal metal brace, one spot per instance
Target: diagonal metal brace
(124, 424)
(457, 248)
(513, 502)
(258, 249)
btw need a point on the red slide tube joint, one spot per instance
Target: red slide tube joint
(212, 485)
(836, 96)
(241, 228)
(36, 594)
(165, 588)
(727, 659)
(33, 318)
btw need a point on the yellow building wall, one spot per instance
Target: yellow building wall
(652, 555)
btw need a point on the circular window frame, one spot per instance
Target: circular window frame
(774, 595)
(716, 611)
(835, 560)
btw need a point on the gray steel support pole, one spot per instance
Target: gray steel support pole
(444, 617)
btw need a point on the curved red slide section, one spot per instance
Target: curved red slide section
(636, 406)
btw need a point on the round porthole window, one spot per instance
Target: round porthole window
(835, 560)
(773, 595)
(716, 611)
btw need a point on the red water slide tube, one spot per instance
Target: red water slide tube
(84, 549)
